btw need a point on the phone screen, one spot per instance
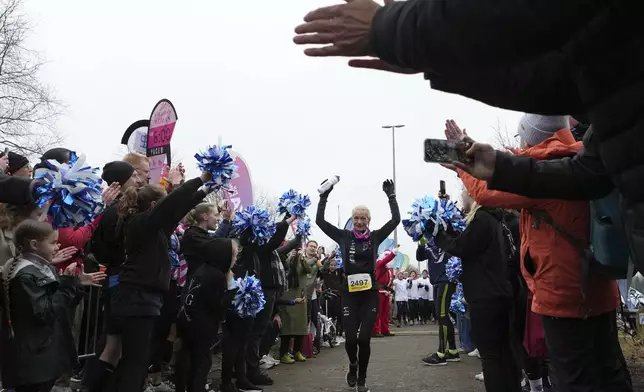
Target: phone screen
(445, 151)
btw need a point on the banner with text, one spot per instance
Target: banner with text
(162, 122)
(240, 194)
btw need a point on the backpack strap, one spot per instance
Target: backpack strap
(585, 254)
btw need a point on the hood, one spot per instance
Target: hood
(498, 213)
(561, 144)
(219, 253)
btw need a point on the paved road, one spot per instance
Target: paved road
(395, 363)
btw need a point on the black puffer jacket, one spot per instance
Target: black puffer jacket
(43, 347)
(548, 57)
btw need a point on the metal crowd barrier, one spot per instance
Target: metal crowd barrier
(90, 323)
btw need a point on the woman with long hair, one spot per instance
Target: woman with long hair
(485, 248)
(360, 298)
(148, 218)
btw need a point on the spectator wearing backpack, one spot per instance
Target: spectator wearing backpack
(577, 306)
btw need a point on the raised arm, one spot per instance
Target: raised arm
(327, 228)
(277, 238)
(390, 226)
(282, 251)
(167, 213)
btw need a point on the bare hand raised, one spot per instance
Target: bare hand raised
(484, 159)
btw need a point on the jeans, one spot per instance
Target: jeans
(463, 326)
(586, 354)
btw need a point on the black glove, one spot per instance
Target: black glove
(286, 216)
(326, 194)
(389, 188)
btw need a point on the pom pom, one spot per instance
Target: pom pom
(338, 257)
(72, 191)
(293, 203)
(456, 304)
(218, 162)
(249, 299)
(428, 215)
(304, 227)
(454, 269)
(258, 221)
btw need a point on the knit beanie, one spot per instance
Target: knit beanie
(117, 171)
(16, 162)
(535, 128)
(59, 154)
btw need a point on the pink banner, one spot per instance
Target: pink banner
(162, 122)
(240, 194)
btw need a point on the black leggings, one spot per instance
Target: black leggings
(334, 306)
(401, 310)
(136, 336)
(298, 342)
(359, 311)
(234, 344)
(413, 309)
(490, 333)
(195, 359)
(443, 296)
(161, 349)
(40, 387)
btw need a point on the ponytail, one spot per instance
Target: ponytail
(26, 232)
(135, 200)
(194, 216)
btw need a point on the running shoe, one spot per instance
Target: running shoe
(287, 359)
(435, 360)
(455, 357)
(260, 379)
(352, 375)
(474, 353)
(299, 357)
(246, 386)
(480, 377)
(270, 358)
(228, 387)
(164, 386)
(265, 364)
(362, 387)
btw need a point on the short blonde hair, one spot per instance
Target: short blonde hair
(361, 208)
(134, 158)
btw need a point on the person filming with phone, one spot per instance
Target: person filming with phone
(360, 296)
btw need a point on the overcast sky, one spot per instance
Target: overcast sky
(231, 69)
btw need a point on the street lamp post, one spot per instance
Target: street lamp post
(393, 150)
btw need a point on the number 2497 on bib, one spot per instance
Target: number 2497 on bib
(359, 282)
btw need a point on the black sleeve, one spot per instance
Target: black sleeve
(548, 78)
(423, 253)
(277, 238)
(439, 35)
(473, 240)
(214, 287)
(45, 307)
(171, 209)
(582, 177)
(390, 226)
(283, 251)
(327, 228)
(224, 229)
(15, 190)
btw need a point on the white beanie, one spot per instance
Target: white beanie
(535, 128)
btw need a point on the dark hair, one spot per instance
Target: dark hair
(308, 242)
(26, 232)
(11, 215)
(138, 200)
(194, 216)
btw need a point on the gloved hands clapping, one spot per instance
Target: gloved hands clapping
(389, 188)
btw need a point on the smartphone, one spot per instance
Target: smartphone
(442, 188)
(446, 151)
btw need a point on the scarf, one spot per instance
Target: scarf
(362, 236)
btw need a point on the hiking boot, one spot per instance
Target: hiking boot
(435, 360)
(452, 356)
(352, 375)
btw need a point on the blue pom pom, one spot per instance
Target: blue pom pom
(338, 257)
(304, 227)
(454, 269)
(249, 299)
(72, 191)
(258, 221)
(293, 203)
(428, 215)
(218, 162)
(456, 303)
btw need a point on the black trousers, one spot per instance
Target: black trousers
(261, 323)
(234, 347)
(314, 316)
(334, 309)
(443, 296)
(490, 332)
(414, 309)
(268, 340)
(586, 355)
(161, 347)
(359, 311)
(195, 359)
(40, 387)
(136, 337)
(402, 308)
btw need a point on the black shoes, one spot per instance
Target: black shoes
(352, 375)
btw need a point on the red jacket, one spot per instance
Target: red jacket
(556, 282)
(78, 238)
(385, 275)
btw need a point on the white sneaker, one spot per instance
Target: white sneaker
(480, 377)
(474, 353)
(270, 358)
(265, 365)
(163, 387)
(339, 340)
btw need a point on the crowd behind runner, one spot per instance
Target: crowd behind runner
(548, 304)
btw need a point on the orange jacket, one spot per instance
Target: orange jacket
(556, 283)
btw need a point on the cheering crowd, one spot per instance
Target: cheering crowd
(527, 261)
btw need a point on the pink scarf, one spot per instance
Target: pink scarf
(362, 236)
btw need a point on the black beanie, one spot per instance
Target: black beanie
(16, 162)
(117, 171)
(58, 154)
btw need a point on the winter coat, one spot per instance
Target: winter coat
(436, 262)
(7, 248)
(195, 237)
(294, 318)
(42, 348)
(78, 238)
(550, 264)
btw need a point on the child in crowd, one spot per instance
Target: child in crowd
(401, 295)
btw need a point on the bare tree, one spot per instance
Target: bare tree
(503, 137)
(265, 201)
(28, 109)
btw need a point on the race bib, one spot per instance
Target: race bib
(359, 282)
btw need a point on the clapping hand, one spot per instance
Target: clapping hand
(63, 255)
(111, 193)
(92, 279)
